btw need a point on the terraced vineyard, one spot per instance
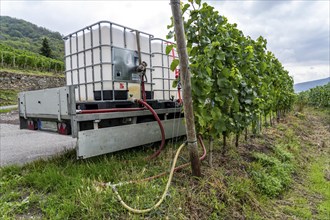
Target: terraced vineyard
(26, 60)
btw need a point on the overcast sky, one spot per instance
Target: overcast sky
(297, 31)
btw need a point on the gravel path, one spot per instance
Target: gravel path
(9, 118)
(22, 146)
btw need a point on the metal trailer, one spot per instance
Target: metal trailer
(96, 106)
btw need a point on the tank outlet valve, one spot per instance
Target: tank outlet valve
(142, 67)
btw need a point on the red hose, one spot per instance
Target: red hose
(162, 131)
(164, 173)
(109, 110)
(179, 94)
(201, 158)
(177, 74)
(179, 167)
(135, 109)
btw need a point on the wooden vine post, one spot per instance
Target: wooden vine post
(186, 85)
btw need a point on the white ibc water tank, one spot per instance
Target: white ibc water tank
(101, 59)
(162, 76)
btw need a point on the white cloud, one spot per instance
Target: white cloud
(303, 72)
(297, 32)
(69, 16)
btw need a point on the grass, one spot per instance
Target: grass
(319, 183)
(272, 173)
(3, 111)
(66, 188)
(8, 97)
(281, 174)
(30, 72)
(309, 194)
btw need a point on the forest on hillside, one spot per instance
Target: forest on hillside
(21, 47)
(23, 35)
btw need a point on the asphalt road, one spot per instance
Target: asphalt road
(23, 146)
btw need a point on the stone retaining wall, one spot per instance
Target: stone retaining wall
(21, 82)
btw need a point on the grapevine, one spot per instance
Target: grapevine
(14, 58)
(235, 79)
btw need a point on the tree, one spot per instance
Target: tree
(185, 76)
(45, 48)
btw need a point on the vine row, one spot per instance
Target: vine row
(318, 96)
(235, 79)
(14, 58)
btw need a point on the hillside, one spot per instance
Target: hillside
(300, 87)
(22, 68)
(23, 35)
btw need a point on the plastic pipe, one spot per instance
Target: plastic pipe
(176, 168)
(160, 174)
(173, 169)
(114, 189)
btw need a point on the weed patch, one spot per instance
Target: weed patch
(320, 185)
(272, 174)
(30, 72)
(8, 97)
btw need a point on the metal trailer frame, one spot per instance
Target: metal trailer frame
(39, 107)
(59, 109)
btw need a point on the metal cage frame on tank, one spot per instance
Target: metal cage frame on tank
(94, 58)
